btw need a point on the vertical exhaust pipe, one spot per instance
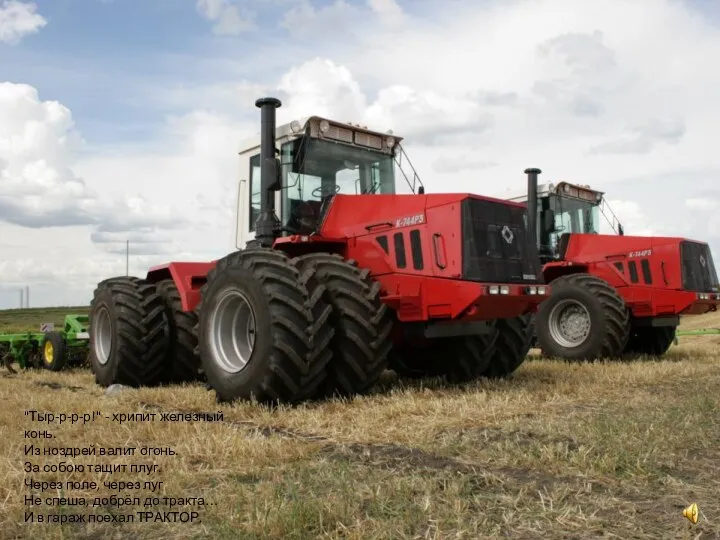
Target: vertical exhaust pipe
(532, 186)
(267, 225)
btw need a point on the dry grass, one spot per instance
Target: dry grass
(558, 451)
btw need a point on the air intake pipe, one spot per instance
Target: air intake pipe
(267, 226)
(532, 176)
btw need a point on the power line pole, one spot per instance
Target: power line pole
(22, 298)
(127, 257)
(27, 296)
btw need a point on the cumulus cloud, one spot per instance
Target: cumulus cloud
(322, 87)
(589, 97)
(642, 139)
(38, 186)
(703, 205)
(19, 19)
(388, 10)
(306, 19)
(227, 19)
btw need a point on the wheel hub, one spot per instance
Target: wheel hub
(569, 323)
(48, 352)
(102, 335)
(232, 331)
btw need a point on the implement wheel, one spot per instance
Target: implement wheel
(128, 333)
(261, 333)
(53, 351)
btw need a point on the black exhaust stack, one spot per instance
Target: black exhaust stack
(267, 226)
(532, 175)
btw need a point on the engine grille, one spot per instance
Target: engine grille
(698, 269)
(496, 247)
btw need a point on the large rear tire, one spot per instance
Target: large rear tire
(511, 347)
(458, 359)
(128, 333)
(651, 341)
(183, 360)
(584, 319)
(261, 334)
(362, 324)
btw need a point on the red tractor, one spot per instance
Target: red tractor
(613, 295)
(350, 277)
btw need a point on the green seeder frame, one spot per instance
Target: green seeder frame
(24, 347)
(700, 332)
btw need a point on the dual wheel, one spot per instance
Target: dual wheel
(269, 327)
(140, 335)
(275, 328)
(586, 319)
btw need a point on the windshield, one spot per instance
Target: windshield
(571, 216)
(313, 169)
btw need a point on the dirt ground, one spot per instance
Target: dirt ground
(605, 450)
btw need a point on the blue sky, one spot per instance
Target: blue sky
(161, 100)
(101, 58)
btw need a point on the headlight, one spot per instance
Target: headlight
(324, 126)
(493, 289)
(504, 289)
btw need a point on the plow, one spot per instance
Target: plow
(48, 349)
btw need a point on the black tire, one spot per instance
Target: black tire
(650, 341)
(609, 318)
(511, 347)
(183, 360)
(362, 324)
(458, 359)
(53, 355)
(290, 351)
(533, 331)
(137, 327)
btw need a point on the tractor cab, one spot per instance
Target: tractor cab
(566, 208)
(317, 159)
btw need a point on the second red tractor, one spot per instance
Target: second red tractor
(614, 295)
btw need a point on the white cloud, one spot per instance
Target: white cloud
(226, 16)
(19, 19)
(38, 187)
(388, 10)
(702, 204)
(589, 97)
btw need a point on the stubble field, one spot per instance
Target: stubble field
(611, 450)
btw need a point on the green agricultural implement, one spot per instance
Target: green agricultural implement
(48, 349)
(699, 332)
